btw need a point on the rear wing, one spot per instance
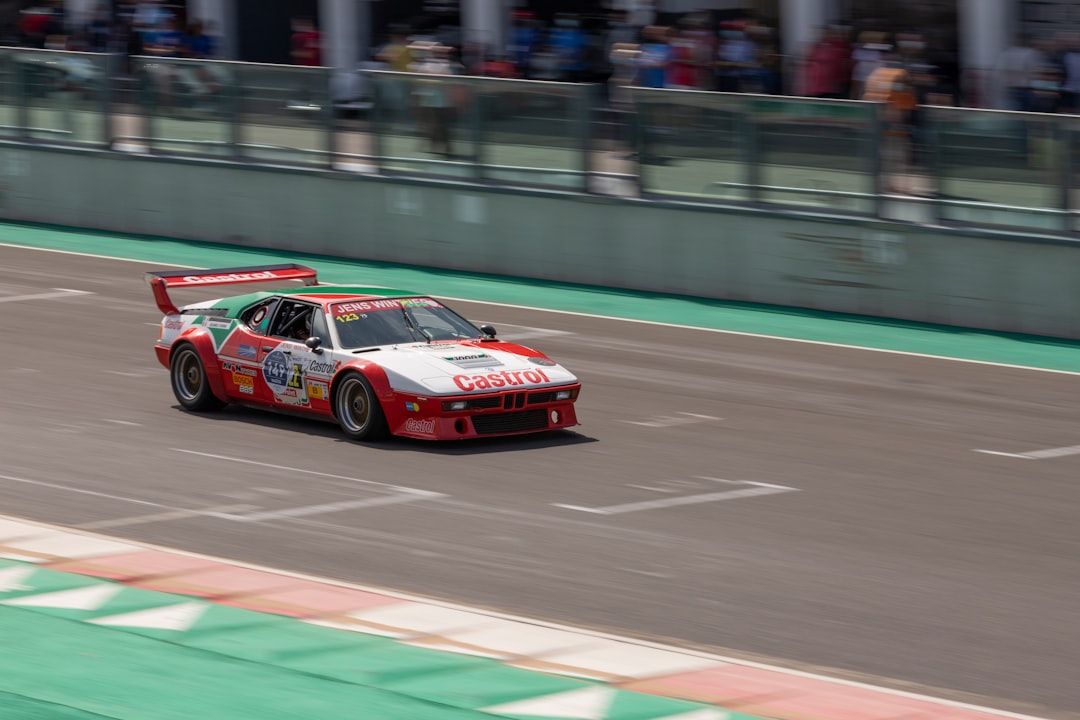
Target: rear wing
(160, 282)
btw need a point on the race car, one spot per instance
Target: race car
(377, 361)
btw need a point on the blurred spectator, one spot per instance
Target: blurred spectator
(891, 85)
(1017, 68)
(1045, 94)
(397, 54)
(524, 37)
(306, 43)
(1070, 64)
(99, 29)
(37, 24)
(436, 98)
(570, 43)
(765, 76)
(150, 16)
(868, 56)
(654, 57)
(737, 54)
(827, 67)
(545, 63)
(682, 61)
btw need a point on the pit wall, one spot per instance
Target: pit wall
(953, 276)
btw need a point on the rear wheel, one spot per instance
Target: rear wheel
(357, 408)
(189, 381)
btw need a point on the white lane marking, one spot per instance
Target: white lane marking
(671, 420)
(1037, 454)
(1004, 454)
(60, 292)
(721, 331)
(122, 422)
(582, 632)
(325, 508)
(81, 491)
(164, 517)
(136, 374)
(757, 489)
(399, 488)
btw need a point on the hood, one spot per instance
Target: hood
(457, 368)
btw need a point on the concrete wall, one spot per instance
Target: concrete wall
(876, 268)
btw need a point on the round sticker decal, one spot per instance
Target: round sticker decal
(259, 316)
(276, 371)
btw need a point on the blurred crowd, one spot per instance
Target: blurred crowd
(693, 51)
(140, 27)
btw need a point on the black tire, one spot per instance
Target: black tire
(357, 408)
(189, 381)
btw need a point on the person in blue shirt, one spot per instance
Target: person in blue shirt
(570, 43)
(654, 57)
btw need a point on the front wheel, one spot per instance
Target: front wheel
(358, 410)
(189, 381)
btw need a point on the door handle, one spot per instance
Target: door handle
(266, 348)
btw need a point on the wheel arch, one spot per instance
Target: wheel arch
(204, 346)
(375, 375)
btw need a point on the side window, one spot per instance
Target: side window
(319, 328)
(258, 316)
(293, 320)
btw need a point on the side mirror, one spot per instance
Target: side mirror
(488, 330)
(315, 344)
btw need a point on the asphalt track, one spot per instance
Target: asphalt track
(807, 504)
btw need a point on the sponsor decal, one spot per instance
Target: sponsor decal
(218, 324)
(246, 351)
(316, 391)
(232, 367)
(243, 380)
(420, 302)
(412, 407)
(247, 389)
(425, 426)
(505, 378)
(363, 306)
(475, 360)
(173, 324)
(231, 277)
(278, 372)
(546, 362)
(321, 368)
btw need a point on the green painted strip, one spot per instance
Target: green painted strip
(106, 660)
(938, 340)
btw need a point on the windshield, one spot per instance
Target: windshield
(367, 323)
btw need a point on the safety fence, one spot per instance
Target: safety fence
(954, 165)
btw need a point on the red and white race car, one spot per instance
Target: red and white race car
(374, 360)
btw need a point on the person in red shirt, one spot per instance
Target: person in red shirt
(306, 43)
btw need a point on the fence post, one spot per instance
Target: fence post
(586, 98)
(1065, 139)
(234, 112)
(874, 160)
(752, 153)
(479, 106)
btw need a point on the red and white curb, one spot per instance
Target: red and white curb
(729, 683)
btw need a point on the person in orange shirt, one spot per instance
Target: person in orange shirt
(891, 85)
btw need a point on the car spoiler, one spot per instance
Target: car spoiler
(161, 281)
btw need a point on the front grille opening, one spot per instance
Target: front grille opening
(494, 423)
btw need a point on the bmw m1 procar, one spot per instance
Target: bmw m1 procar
(374, 360)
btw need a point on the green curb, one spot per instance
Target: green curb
(81, 647)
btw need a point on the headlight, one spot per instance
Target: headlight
(564, 394)
(455, 405)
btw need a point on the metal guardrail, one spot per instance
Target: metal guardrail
(806, 154)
